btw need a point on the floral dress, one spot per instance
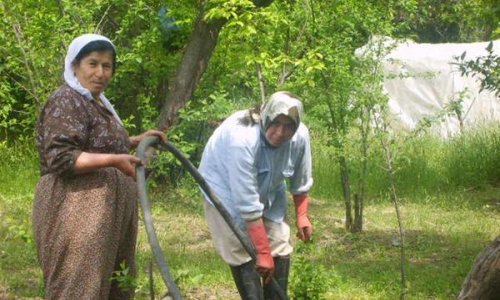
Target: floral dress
(84, 225)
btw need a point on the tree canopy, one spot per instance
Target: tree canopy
(247, 48)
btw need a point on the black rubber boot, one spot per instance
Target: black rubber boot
(281, 270)
(248, 281)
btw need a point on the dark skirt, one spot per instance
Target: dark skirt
(84, 228)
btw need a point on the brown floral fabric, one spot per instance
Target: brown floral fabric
(84, 225)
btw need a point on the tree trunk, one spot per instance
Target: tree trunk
(346, 188)
(483, 281)
(193, 64)
(358, 214)
(360, 196)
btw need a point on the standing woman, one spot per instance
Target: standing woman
(246, 162)
(85, 211)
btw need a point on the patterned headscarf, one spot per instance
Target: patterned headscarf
(281, 103)
(69, 75)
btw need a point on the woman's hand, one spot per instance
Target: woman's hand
(135, 140)
(126, 163)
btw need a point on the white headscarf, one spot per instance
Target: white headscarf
(69, 75)
(281, 103)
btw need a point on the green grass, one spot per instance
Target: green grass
(441, 242)
(19, 271)
(443, 236)
(445, 229)
(423, 165)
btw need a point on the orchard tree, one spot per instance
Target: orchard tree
(162, 49)
(212, 15)
(308, 47)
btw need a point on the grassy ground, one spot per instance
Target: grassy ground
(444, 233)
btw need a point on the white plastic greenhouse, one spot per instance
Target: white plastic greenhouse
(423, 80)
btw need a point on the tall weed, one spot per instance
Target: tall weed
(473, 159)
(424, 164)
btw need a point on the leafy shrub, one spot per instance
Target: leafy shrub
(122, 276)
(309, 280)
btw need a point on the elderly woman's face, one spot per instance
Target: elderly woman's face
(281, 129)
(94, 71)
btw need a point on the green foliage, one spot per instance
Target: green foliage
(447, 20)
(33, 42)
(471, 159)
(302, 46)
(187, 277)
(228, 10)
(28, 58)
(122, 277)
(147, 56)
(310, 280)
(424, 163)
(196, 123)
(487, 67)
(18, 175)
(21, 232)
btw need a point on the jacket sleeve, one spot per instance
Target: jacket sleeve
(61, 134)
(301, 180)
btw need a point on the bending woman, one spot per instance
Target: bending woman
(246, 162)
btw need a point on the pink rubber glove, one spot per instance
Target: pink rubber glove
(265, 263)
(304, 227)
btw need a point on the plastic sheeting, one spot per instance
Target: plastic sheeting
(421, 81)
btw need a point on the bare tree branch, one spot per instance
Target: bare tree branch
(261, 82)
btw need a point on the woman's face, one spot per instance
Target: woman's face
(94, 71)
(280, 130)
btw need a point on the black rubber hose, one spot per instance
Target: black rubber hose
(242, 237)
(173, 290)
